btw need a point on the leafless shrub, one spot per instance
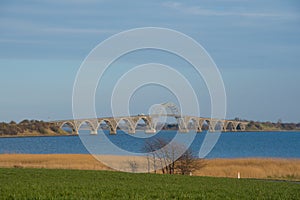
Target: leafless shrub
(133, 165)
(170, 158)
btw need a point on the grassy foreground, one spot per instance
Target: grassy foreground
(21, 183)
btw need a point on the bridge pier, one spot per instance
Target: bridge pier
(182, 125)
(235, 125)
(224, 128)
(243, 126)
(94, 132)
(131, 131)
(184, 130)
(200, 124)
(211, 125)
(152, 130)
(199, 130)
(112, 132)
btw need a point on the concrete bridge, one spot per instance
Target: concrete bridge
(130, 123)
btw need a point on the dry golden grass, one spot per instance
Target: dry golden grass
(252, 168)
(248, 167)
(59, 161)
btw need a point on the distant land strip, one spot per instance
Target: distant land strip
(41, 128)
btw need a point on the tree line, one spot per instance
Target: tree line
(27, 127)
(265, 126)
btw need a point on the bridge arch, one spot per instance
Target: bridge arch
(231, 126)
(111, 125)
(219, 126)
(240, 126)
(129, 124)
(193, 123)
(210, 125)
(70, 125)
(203, 124)
(92, 127)
(145, 120)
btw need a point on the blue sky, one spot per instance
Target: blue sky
(255, 44)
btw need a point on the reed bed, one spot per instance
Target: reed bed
(261, 168)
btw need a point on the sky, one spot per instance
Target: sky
(255, 44)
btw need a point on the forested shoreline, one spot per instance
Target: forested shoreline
(29, 127)
(272, 126)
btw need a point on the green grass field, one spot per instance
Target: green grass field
(19, 183)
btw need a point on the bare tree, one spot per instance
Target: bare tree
(187, 163)
(163, 155)
(151, 158)
(133, 165)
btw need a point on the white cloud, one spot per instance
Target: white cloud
(80, 30)
(71, 1)
(197, 10)
(22, 41)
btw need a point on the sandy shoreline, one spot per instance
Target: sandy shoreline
(274, 168)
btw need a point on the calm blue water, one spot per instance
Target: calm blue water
(230, 144)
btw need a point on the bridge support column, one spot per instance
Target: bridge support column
(199, 128)
(212, 125)
(131, 131)
(183, 130)
(112, 131)
(94, 132)
(182, 126)
(235, 125)
(243, 126)
(151, 130)
(224, 126)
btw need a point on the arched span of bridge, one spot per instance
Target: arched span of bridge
(201, 122)
(173, 110)
(211, 124)
(129, 124)
(230, 126)
(193, 123)
(70, 125)
(235, 126)
(241, 126)
(219, 126)
(93, 125)
(145, 120)
(111, 123)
